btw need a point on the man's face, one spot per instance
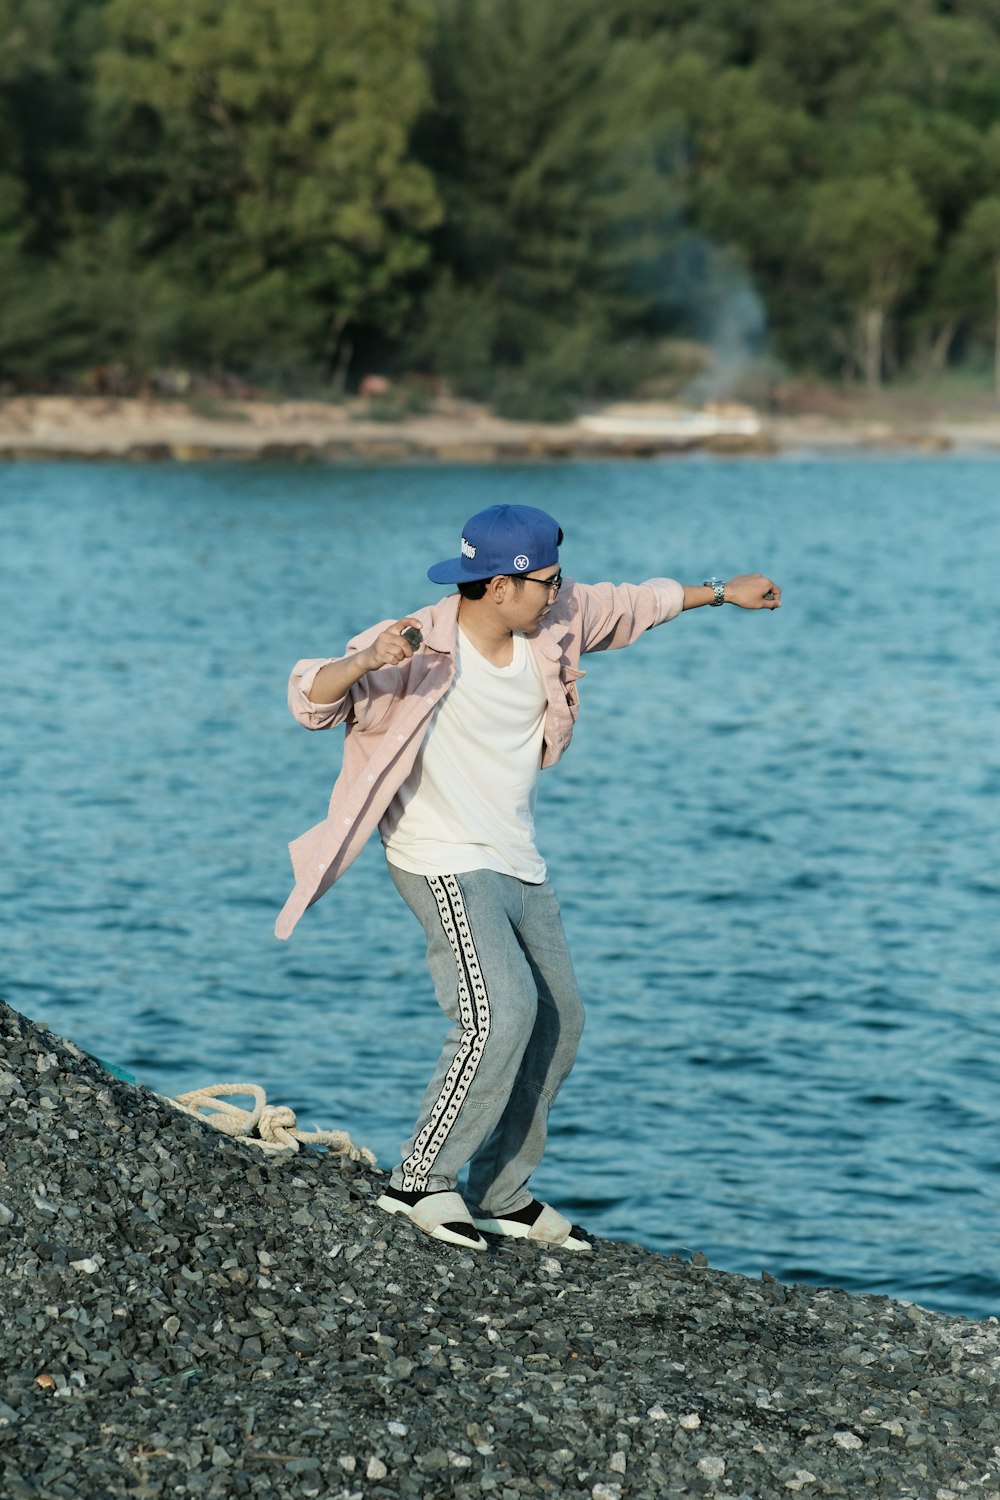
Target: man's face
(527, 600)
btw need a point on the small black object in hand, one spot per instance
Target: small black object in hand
(411, 635)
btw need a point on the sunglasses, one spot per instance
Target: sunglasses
(554, 584)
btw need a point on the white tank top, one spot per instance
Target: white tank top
(469, 802)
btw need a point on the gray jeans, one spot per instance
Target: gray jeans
(504, 978)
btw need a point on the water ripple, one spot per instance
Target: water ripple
(774, 838)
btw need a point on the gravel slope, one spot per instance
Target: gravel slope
(184, 1315)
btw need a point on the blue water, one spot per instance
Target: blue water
(774, 837)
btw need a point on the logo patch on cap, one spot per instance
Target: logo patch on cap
(520, 562)
(468, 550)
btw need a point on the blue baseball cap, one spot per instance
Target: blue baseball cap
(504, 539)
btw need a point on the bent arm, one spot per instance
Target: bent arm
(319, 691)
(335, 679)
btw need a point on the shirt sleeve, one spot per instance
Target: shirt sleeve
(615, 615)
(315, 715)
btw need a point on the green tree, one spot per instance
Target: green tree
(260, 157)
(975, 254)
(559, 200)
(46, 54)
(747, 167)
(942, 62)
(869, 238)
(46, 184)
(276, 186)
(823, 58)
(941, 152)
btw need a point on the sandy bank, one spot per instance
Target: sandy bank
(182, 1315)
(58, 427)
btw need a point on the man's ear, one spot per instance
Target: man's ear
(498, 587)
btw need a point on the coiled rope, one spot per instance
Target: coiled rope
(270, 1126)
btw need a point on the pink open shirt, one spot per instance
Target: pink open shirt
(387, 712)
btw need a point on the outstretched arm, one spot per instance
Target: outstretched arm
(747, 591)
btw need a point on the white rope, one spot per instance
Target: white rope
(270, 1126)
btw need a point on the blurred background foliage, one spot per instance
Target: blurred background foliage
(536, 201)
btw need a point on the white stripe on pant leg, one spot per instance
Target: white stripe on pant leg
(474, 1015)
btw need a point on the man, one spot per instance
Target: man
(446, 732)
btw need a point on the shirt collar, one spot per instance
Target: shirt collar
(443, 625)
(550, 638)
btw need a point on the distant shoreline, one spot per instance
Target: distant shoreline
(95, 428)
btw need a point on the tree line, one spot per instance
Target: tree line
(537, 201)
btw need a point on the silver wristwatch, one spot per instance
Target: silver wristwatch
(718, 589)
